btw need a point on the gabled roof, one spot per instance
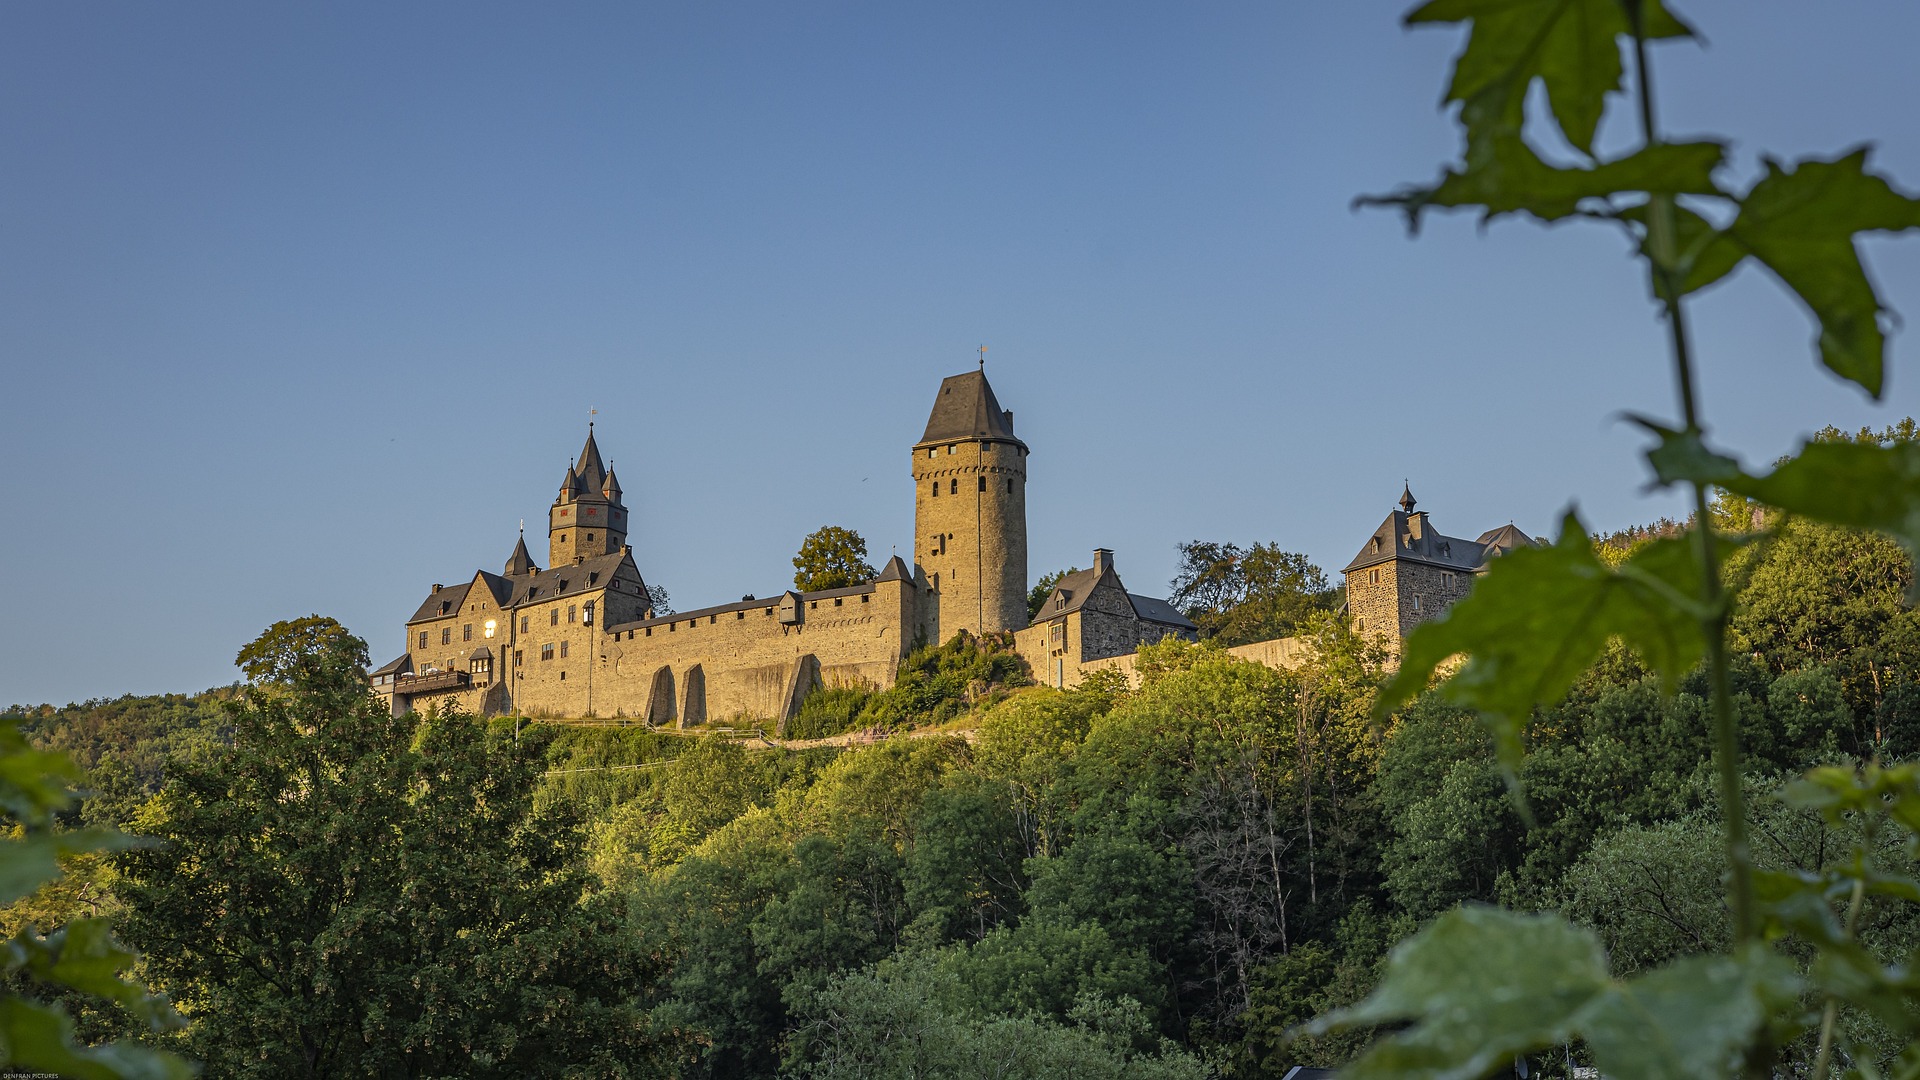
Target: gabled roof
(1159, 611)
(500, 588)
(481, 653)
(441, 603)
(965, 408)
(1071, 592)
(570, 580)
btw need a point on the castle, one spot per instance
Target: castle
(581, 639)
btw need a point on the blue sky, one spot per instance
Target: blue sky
(303, 310)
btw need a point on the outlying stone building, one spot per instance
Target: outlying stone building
(1090, 616)
(1408, 572)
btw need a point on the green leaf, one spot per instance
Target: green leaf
(1800, 222)
(1690, 1019)
(1482, 985)
(1503, 175)
(1539, 618)
(40, 1038)
(1571, 46)
(1683, 456)
(84, 956)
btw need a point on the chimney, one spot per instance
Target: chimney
(436, 588)
(1008, 413)
(1102, 560)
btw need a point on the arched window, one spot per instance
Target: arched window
(953, 486)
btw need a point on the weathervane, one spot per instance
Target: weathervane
(591, 413)
(983, 358)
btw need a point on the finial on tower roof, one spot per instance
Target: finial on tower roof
(1406, 497)
(983, 358)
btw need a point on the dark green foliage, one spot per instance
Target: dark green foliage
(343, 892)
(125, 745)
(1239, 595)
(828, 711)
(935, 684)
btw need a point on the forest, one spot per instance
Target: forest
(1016, 881)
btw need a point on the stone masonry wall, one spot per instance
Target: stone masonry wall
(970, 534)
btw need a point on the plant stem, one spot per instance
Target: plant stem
(1832, 1013)
(1662, 253)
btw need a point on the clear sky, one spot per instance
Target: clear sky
(302, 309)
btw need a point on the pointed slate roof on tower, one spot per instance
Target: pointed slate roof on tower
(965, 408)
(591, 470)
(520, 562)
(895, 570)
(611, 489)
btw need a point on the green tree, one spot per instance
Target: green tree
(1240, 595)
(343, 892)
(831, 558)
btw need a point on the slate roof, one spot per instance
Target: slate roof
(1159, 611)
(1079, 585)
(569, 580)
(520, 562)
(404, 662)
(965, 408)
(441, 603)
(1395, 540)
(895, 570)
(500, 587)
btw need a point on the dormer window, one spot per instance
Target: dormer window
(1376, 545)
(1059, 601)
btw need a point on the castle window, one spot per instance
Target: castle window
(466, 632)
(672, 626)
(936, 489)
(741, 614)
(1416, 603)
(815, 605)
(589, 538)
(488, 628)
(1060, 601)
(589, 618)
(1009, 485)
(983, 483)
(563, 676)
(518, 655)
(932, 450)
(1446, 578)
(953, 486)
(593, 577)
(553, 617)
(1376, 545)
(864, 597)
(524, 619)
(1362, 626)
(546, 651)
(563, 650)
(446, 635)
(649, 631)
(423, 639)
(836, 601)
(1373, 576)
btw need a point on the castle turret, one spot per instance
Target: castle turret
(970, 513)
(521, 561)
(587, 518)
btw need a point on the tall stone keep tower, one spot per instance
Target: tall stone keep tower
(587, 517)
(970, 513)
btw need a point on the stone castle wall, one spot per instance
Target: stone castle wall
(1406, 594)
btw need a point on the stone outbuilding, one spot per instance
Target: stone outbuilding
(1408, 571)
(1090, 616)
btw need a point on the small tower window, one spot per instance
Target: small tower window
(563, 650)
(1373, 576)
(1416, 603)
(1009, 485)
(953, 486)
(1361, 626)
(589, 538)
(524, 620)
(936, 489)
(983, 483)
